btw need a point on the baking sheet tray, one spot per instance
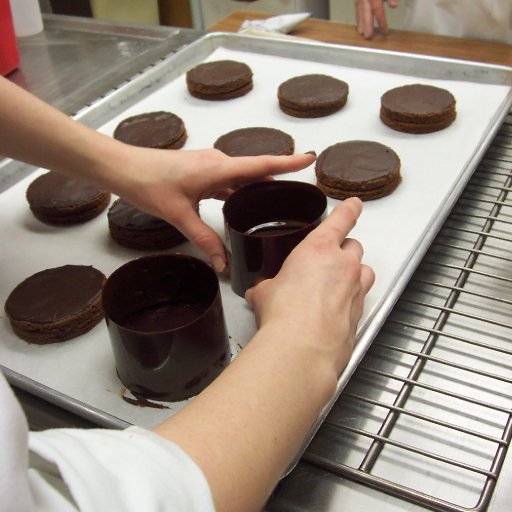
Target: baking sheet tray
(395, 230)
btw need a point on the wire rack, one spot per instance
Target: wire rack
(427, 415)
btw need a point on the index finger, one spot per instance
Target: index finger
(340, 221)
(246, 169)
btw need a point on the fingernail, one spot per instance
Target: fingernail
(310, 153)
(219, 263)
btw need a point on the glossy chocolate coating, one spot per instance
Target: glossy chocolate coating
(417, 99)
(309, 91)
(164, 317)
(357, 161)
(166, 324)
(55, 294)
(255, 141)
(151, 130)
(254, 257)
(275, 228)
(56, 190)
(135, 229)
(127, 216)
(219, 75)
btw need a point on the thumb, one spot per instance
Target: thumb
(249, 296)
(204, 238)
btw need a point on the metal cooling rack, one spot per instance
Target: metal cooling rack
(427, 415)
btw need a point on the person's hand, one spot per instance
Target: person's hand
(261, 407)
(319, 291)
(166, 183)
(369, 12)
(169, 184)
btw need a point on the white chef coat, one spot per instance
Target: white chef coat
(475, 19)
(132, 470)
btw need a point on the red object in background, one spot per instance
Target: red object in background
(9, 56)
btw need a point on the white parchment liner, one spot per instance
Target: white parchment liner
(390, 228)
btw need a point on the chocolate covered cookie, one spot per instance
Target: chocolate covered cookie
(255, 141)
(312, 95)
(360, 168)
(219, 80)
(55, 198)
(160, 130)
(56, 304)
(417, 108)
(136, 229)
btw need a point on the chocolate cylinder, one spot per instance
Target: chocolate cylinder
(166, 324)
(263, 223)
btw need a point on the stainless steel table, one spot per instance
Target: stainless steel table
(76, 61)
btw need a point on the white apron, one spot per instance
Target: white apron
(474, 19)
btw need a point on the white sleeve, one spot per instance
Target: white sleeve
(109, 470)
(14, 490)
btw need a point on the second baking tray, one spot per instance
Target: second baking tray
(395, 230)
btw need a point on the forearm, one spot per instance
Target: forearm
(243, 432)
(36, 133)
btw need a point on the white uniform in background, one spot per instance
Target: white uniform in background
(474, 19)
(132, 470)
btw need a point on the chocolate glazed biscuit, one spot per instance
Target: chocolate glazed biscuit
(417, 108)
(55, 198)
(360, 168)
(133, 228)
(219, 80)
(255, 141)
(160, 130)
(57, 304)
(312, 95)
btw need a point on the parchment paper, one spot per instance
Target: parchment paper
(390, 228)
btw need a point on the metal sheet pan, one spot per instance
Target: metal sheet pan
(396, 231)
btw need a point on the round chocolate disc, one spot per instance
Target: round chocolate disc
(57, 199)
(255, 141)
(55, 294)
(312, 95)
(417, 108)
(162, 130)
(361, 168)
(219, 80)
(417, 99)
(136, 229)
(127, 216)
(56, 190)
(357, 161)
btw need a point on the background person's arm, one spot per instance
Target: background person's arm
(371, 12)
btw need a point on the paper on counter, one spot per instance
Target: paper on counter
(277, 24)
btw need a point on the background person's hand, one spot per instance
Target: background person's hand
(369, 13)
(319, 291)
